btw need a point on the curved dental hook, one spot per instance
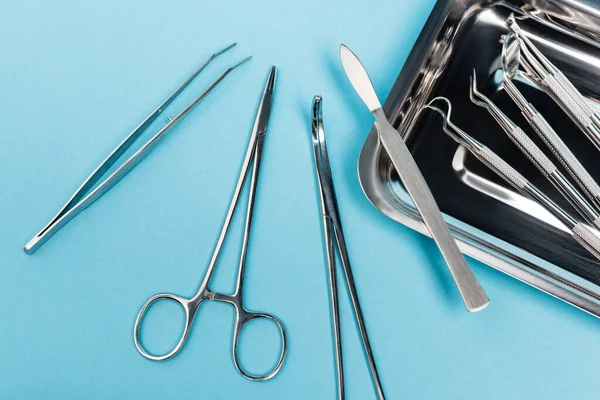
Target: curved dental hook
(445, 123)
(482, 100)
(476, 97)
(430, 107)
(449, 128)
(447, 115)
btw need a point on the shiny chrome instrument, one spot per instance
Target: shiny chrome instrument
(536, 156)
(473, 295)
(333, 234)
(95, 186)
(191, 305)
(557, 85)
(579, 231)
(491, 221)
(510, 62)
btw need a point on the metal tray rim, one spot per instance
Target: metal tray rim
(530, 272)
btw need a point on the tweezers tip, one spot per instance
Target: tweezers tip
(30, 247)
(218, 53)
(241, 62)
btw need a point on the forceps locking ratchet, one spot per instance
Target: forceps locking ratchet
(191, 305)
(472, 294)
(88, 192)
(332, 228)
(579, 231)
(536, 156)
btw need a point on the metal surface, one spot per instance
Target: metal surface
(491, 221)
(557, 85)
(192, 304)
(536, 156)
(579, 231)
(333, 234)
(510, 63)
(473, 295)
(94, 187)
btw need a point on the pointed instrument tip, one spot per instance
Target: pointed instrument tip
(345, 55)
(226, 49)
(345, 51)
(270, 85)
(359, 78)
(473, 81)
(245, 60)
(475, 95)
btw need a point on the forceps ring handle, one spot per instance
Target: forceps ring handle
(189, 307)
(243, 318)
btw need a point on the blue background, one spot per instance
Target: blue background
(75, 77)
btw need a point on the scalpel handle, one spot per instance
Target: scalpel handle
(472, 294)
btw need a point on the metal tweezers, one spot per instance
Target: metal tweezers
(90, 190)
(332, 226)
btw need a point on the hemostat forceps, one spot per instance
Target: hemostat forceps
(536, 156)
(579, 231)
(510, 57)
(557, 85)
(93, 188)
(191, 305)
(332, 227)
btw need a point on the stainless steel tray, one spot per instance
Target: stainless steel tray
(492, 222)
